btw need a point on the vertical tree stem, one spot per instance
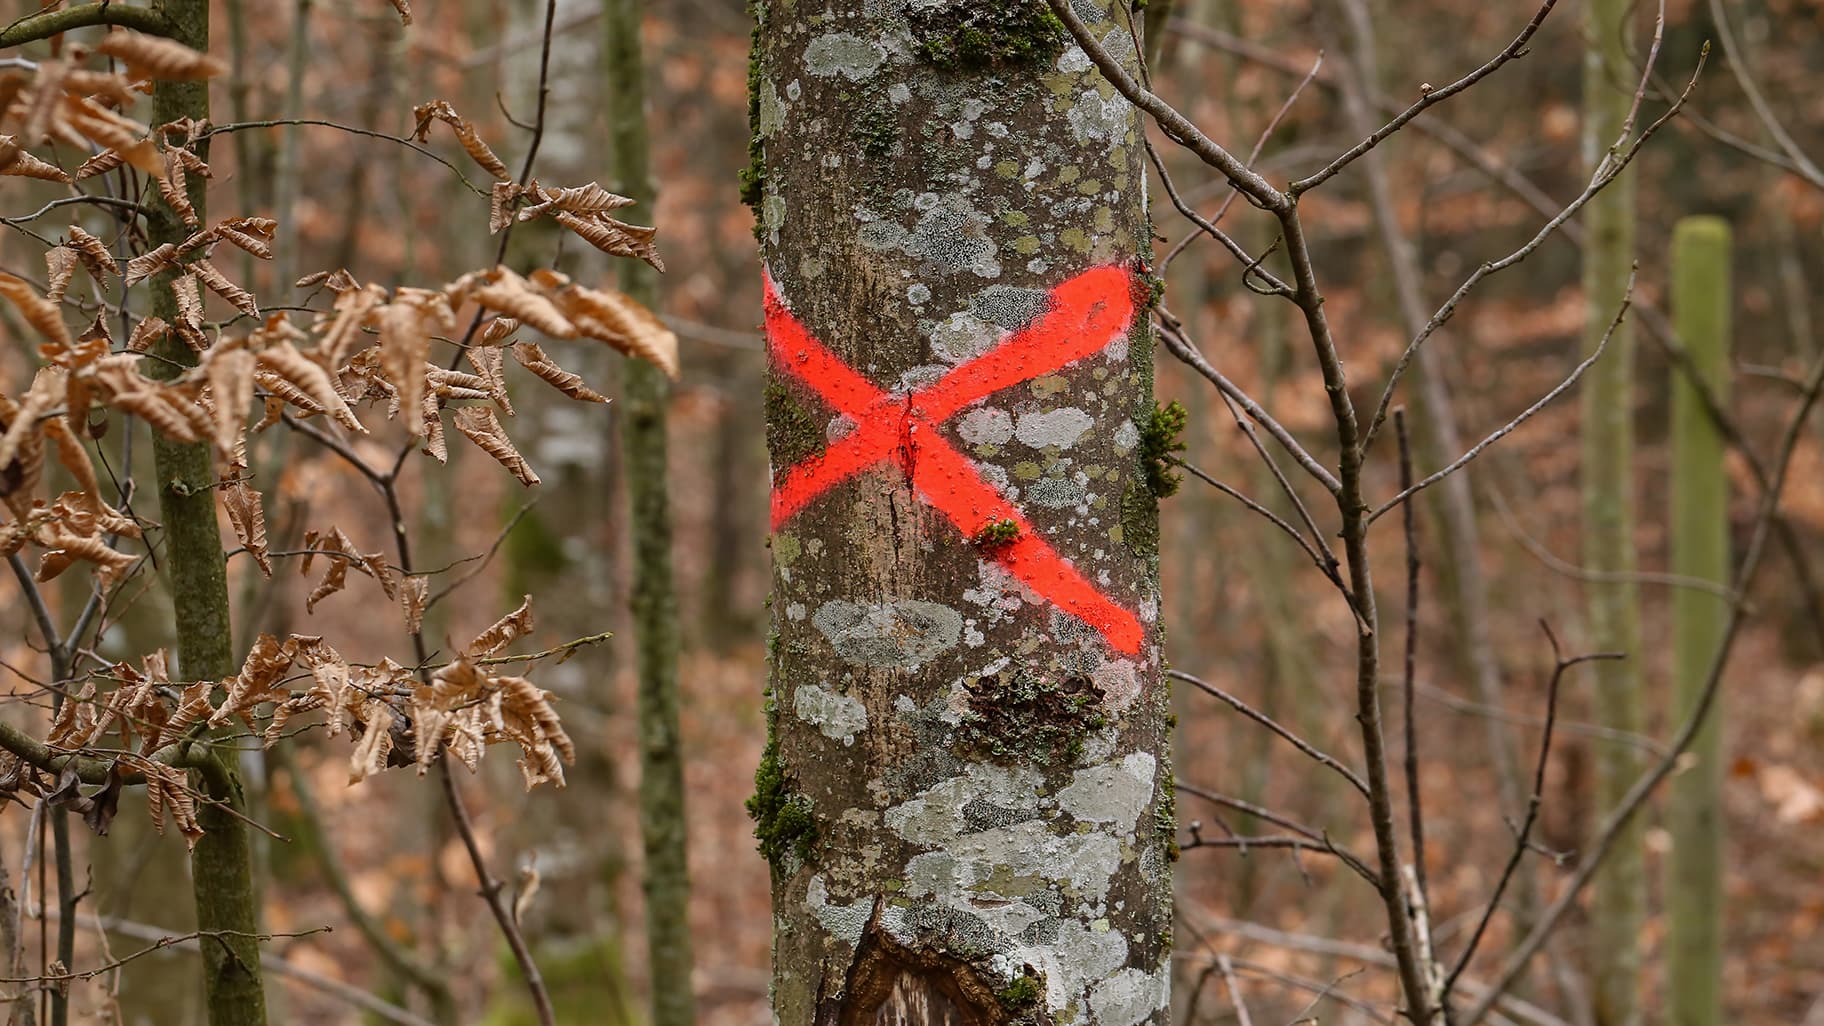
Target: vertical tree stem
(221, 862)
(1700, 550)
(666, 872)
(1608, 508)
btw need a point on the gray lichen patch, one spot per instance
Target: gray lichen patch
(1115, 793)
(1131, 996)
(838, 716)
(1061, 427)
(985, 425)
(904, 633)
(839, 53)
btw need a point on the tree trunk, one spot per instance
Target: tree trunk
(655, 605)
(1700, 549)
(966, 797)
(221, 863)
(1608, 511)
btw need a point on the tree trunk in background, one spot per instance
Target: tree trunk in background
(655, 613)
(1701, 297)
(221, 864)
(1608, 511)
(966, 797)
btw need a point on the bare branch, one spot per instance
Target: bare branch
(45, 24)
(1268, 722)
(1427, 99)
(1525, 415)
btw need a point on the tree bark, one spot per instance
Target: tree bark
(221, 863)
(1608, 510)
(966, 796)
(666, 876)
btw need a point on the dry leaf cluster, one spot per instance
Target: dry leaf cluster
(153, 726)
(370, 353)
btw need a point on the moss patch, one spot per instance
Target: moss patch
(1140, 520)
(1021, 993)
(792, 432)
(1159, 439)
(876, 128)
(988, 33)
(783, 821)
(753, 176)
(1018, 713)
(997, 535)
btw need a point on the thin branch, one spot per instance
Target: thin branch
(45, 24)
(317, 981)
(1260, 144)
(242, 126)
(1320, 839)
(1415, 809)
(1525, 415)
(1612, 166)
(1801, 163)
(1271, 516)
(1175, 125)
(1523, 836)
(1266, 721)
(1636, 797)
(1188, 353)
(1428, 98)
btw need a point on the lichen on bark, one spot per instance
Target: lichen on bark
(966, 797)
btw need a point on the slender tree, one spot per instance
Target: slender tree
(966, 796)
(221, 863)
(1700, 549)
(1608, 507)
(655, 614)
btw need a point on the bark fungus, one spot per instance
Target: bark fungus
(966, 796)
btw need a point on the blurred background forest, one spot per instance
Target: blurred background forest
(1244, 613)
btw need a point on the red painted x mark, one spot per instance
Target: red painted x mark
(1083, 316)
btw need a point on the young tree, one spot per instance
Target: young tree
(966, 800)
(1608, 505)
(655, 605)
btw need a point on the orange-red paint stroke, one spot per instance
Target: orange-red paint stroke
(1084, 315)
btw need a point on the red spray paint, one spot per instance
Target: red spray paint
(1083, 316)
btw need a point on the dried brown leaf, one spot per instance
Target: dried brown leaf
(16, 162)
(479, 425)
(59, 267)
(218, 283)
(248, 516)
(148, 56)
(440, 110)
(95, 256)
(533, 358)
(42, 314)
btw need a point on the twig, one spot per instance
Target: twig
(1321, 840)
(1271, 516)
(1618, 819)
(1525, 415)
(1523, 835)
(1187, 352)
(1428, 98)
(1266, 721)
(1611, 168)
(45, 24)
(1415, 809)
(283, 967)
(1242, 1018)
